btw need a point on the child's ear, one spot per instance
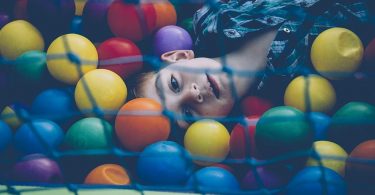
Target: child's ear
(176, 55)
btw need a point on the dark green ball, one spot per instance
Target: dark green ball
(31, 65)
(352, 124)
(281, 130)
(89, 133)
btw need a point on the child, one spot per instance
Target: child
(246, 42)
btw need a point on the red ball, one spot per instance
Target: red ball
(358, 167)
(125, 49)
(369, 54)
(238, 140)
(253, 105)
(131, 21)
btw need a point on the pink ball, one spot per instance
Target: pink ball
(238, 139)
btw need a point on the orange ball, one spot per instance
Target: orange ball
(140, 123)
(111, 174)
(165, 14)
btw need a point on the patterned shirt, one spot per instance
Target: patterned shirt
(220, 26)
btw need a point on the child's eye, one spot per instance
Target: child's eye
(174, 84)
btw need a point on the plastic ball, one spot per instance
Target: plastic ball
(309, 181)
(94, 20)
(109, 174)
(214, 179)
(188, 25)
(320, 123)
(164, 163)
(270, 177)
(282, 130)
(253, 105)
(18, 37)
(38, 136)
(359, 168)
(31, 65)
(74, 54)
(131, 21)
(336, 53)
(121, 48)
(165, 14)
(224, 166)
(52, 18)
(242, 144)
(207, 141)
(352, 124)
(170, 38)
(321, 94)
(89, 133)
(369, 55)
(54, 104)
(6, 135)
(100, 89)
(76, 25)
(36, 168)
(12, 115)
(332, 156)
(80, 4)
(140, 123)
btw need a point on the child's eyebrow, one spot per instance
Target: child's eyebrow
(159, 88)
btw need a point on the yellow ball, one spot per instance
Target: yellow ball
(105, 91)
(80, 4)
(336, 53)
(9, 116)
(332, 156)
(208, 141)
(322, 96)
(62, 67)
(18, 37)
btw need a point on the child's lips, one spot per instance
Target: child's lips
(214, 85)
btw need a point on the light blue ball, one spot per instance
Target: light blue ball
(164, 163)
(27, 141)
(5, 135)
(309, 182)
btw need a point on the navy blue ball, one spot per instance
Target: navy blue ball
(164, 163)
(27, 141)
(309, 182)
(214, 179)
(5, 135)
(54, 104)
(76, 25)
(320, 124)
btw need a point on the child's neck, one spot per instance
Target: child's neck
(251, 57)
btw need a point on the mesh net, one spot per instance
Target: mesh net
(76, 164)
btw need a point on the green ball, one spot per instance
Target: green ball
(352, 124)
(31, 65)
(89, 133)
(281, 130)
(187, 24)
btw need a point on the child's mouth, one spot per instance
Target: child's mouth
(214, 85)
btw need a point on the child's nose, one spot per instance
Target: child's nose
(195, 93)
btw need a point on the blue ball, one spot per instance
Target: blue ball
(27, 141)
(214, 179)
(321, 123)
(5, 135)
(164, 163)
(309, 182)
(76, 25)
(54, 104)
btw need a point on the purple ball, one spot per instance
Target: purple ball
(171, 38)
(271, 178)
(37, 168)
(94, 20)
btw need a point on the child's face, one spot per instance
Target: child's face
(192, 87)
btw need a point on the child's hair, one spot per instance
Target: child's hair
(137, 83)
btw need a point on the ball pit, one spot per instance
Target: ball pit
(38, 136)
(206, 152)
(81, 58)
(120, 48)
(164, 163)
(110, 174)
(18, 37)
(140, 123)
(100, 91)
